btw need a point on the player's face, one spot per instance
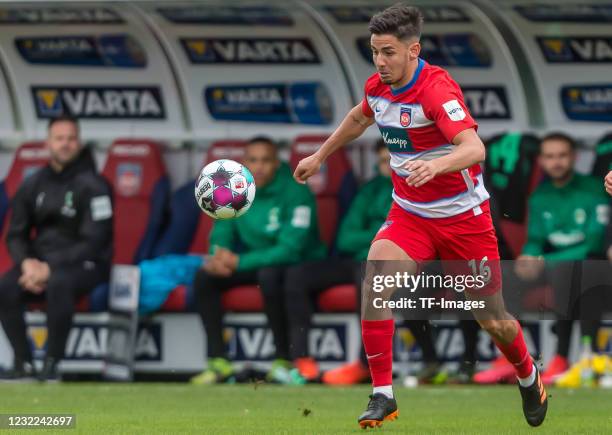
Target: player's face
(63, 143)
(392, 57)
(261, 159)
(557, 159)
(384, 165)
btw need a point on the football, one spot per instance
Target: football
(225, 189)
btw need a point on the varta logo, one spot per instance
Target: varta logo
(57, 15)
(266, 51)
(48, 102)
(487, 102)
(577, 49)
(99, 102)
(250, 95)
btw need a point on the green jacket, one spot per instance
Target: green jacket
(280, 228)
(568, 223)
(365, 216)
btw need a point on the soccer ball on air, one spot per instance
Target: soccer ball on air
(225, 189)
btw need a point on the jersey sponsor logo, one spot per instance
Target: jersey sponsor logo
(396, 139)
(59, 15)
(99, 102)
(128, 178)
(301, 217)
(454, 110)
(101, 208)
(587, 102)
(576, 49)
(570, 13)
(284, 103)
(227, 15)
(362, 14)
(487, 103)
(118, 50)
(460, 50)
(250, 51)
(405, 115)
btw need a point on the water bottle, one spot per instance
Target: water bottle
(587, 376)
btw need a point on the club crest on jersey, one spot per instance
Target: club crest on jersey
(405, 116)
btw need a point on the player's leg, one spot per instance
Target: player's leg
(301, 283)
(507, 335)
(64, 287)
(208, 289)
(357, 371)
(272, 281)
(13, 323)
(377, 328)
(471, 244)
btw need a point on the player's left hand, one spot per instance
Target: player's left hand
(227, 258)
(421, 172)
(608, 183)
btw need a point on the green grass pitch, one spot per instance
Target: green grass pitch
(150, 408)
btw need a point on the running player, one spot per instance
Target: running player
(440, 206)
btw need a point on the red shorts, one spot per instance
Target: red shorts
(466, 243)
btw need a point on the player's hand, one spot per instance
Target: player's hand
(307, 168)
(421, 172)
(215, 267)
(34, 275)
(227, 258)
(528, 267)
(608, 183)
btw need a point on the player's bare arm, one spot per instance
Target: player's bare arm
(352, 126)
(468, 151)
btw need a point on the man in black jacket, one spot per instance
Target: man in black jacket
(60, 239)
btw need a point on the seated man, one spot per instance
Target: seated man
(280, 229)
(568, 215)
(60, 238)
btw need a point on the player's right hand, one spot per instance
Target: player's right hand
(307, 168)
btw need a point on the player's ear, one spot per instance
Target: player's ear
(414, 49)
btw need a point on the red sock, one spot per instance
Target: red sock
(378, 343)
(516, 353)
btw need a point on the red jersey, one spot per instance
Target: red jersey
(419, 122)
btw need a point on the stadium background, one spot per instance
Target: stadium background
(168, 84)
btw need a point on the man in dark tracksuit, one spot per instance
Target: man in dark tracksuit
(60, 239)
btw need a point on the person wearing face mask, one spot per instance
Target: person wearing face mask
(60, 239)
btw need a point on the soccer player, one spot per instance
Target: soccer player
(440, 205)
